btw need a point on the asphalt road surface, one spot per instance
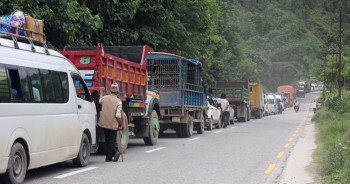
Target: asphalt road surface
(244, 153)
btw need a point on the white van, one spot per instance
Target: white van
(272, 104)
(46, 111)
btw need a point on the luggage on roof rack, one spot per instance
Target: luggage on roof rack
(32, 40)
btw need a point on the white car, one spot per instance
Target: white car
(232, 111)
(213, 115)
(267, 108)
(272, 104)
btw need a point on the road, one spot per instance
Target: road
(243, 153)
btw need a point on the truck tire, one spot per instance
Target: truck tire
(200, 126)
(248, 115)
(178, 129)
(153, 130)
(187, 128)
(17, 165)
(124, 135)
(83, 157)
(210, 124)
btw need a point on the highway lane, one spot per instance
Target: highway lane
(243, 153)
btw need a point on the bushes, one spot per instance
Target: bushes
(333, 153)
(334, 104)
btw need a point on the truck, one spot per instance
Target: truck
(238, 96)
(256, 99)
(181, 90)
(103, 65)
(288, 92)
(300, 89)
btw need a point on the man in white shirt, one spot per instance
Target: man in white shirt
(225, 111)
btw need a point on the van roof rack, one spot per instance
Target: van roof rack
(17, 37)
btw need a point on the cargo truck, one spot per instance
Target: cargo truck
(256, 98)
(103, 65)
(288, 92)
(300, 89)
(238, 96)
(177, 79)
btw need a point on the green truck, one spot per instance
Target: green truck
(237, 94)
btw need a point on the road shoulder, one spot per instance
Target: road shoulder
(300, 166)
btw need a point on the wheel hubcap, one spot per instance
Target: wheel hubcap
(84, 153)
(155, 127)
(17, 164)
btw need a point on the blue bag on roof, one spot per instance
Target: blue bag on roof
(6, 20)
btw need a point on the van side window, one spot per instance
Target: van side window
(57, 85)
(48, 86)
(80, 88)
(24, 84)
(4, 85)
(64, 82)
(36, 85)
(15, 84)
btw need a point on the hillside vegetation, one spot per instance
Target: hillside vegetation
(273, 42)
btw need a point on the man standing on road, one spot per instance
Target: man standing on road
(111, 121)
(314, 106)
(225, 111)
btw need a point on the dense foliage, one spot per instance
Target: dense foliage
(269, 41)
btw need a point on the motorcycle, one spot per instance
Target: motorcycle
(296, 108)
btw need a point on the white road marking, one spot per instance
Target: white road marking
(217, 132)
(244, 124)
(194, 139)
(233, 127)
(259, 119)
(74, 172)
(157, 149)
(253, 121)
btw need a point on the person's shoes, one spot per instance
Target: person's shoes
(225, 125)
(116, 157)
(108, 160)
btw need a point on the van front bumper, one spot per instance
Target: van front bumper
(3, 164)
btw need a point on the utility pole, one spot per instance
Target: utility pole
(341, 21)
(340, 49)
(324, 76)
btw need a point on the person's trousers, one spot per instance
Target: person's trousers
(111, 139)
(225, 118)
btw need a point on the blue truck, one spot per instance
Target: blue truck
(177, 80)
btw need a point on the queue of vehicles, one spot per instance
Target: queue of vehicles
(44, 93)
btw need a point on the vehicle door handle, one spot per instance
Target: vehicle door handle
(79, 106)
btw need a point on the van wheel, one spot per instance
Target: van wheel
(17, 165)
(153, 130)
(200, 126)
(84, 153)
(210, 124)
(187, 128)
(124, 135)
(218, 126)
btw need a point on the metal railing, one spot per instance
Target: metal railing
(22, 38)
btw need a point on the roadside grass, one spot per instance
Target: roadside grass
(333, 152)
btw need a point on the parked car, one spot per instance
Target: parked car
(272, 103)
(232, 111)
(267, 109)
(213, 115)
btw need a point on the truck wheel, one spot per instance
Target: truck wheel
(84, 152)
(178, 129)
(124, 135)
(187, 128)
(17, 165)
(200, 126)
(218, 126)
(210, 124)
(248, 115)
(153, 130)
